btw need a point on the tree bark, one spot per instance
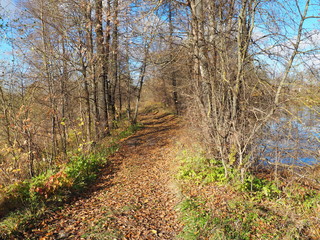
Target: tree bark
(102, 71)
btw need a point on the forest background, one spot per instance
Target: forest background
(244, 73)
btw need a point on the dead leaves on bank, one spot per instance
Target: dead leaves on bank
(131, 200)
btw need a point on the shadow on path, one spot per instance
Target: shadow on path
(131, 199)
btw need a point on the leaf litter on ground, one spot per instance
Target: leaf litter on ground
(132, 198)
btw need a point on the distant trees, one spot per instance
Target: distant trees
(223, 76)
(70, 52)
(233, 94)
(84, 64)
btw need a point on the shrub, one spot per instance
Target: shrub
(130, 130)
(201, 170)
(49, 186)
(82, 170)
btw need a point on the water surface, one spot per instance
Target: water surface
(294, 138)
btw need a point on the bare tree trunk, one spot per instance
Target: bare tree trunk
(89, 53)
(173, 74)
(87, 101)
(49, 79)
(103, 75)
(84, 71)
(140, 84)
(115, 44)
(109, 95)
(127, 71)
(92, 62)
(117, 67)
(64, 101)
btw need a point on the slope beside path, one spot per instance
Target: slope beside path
(135, 197)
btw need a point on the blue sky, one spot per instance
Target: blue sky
(280, 45)
(6, 3)
(8, 8)
(6, 12)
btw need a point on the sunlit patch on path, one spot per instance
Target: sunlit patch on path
(133, 199)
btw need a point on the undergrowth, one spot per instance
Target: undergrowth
(219, 208)
(49, 190)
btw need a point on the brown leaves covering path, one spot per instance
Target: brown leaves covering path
(133, 199)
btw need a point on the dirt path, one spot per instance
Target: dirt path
(134, 198)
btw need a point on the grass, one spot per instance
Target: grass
(200, 169)
(51, 189)
(156, 107)
(97, 230)
(219, 208)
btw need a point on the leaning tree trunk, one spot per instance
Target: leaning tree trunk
(140, 84)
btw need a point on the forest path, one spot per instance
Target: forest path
(135, 197)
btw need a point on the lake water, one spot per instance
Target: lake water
(293, 139)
